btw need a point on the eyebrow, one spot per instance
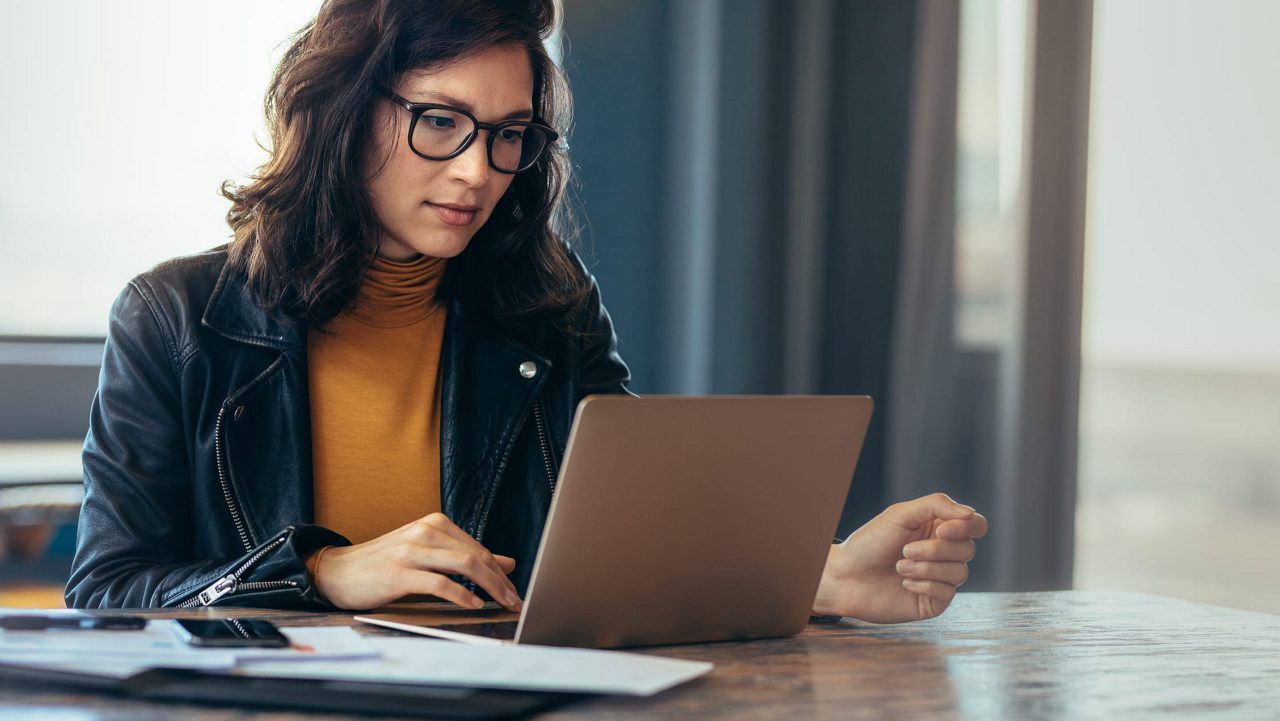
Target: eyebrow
(525, 114)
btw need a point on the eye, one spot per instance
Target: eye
(511, 135)
(440, 122)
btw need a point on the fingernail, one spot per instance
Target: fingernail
(968, 509)
(909, 551)
(905, 566)
(512, 600)
(476, 602)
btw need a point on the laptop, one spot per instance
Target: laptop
(682, 520)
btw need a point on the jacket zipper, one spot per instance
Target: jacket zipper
(230, 583)
(232, 506)
(546, 460)
(546, 446)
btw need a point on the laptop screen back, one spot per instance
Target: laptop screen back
(687, 519)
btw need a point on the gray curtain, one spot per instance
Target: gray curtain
(769, 188)
(923, 349)
(1039, 396)
(741, 167)
(996, 427)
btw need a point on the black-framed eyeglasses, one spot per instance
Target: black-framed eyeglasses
(441, 132)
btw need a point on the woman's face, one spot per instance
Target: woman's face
(434, 207)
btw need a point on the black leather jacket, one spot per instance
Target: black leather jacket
(197, 466)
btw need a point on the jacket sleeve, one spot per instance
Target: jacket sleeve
(134, 544)
(602, 369)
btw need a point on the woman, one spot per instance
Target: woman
(366, 393)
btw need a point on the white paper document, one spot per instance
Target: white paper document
(157, 646)
(533, 668)
(119, 667)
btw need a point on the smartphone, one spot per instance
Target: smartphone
(229, 633)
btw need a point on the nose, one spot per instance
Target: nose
(472, 166)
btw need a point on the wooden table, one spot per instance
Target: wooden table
(1065, 655)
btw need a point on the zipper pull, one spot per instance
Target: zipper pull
(222, 587)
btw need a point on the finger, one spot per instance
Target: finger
(426, 582)
(973, 527)
(432, 541)
(472, 567)
(506, 563)
(920, 511)
(936, 549)
(953, 573)
(436, 530)
(941, 592)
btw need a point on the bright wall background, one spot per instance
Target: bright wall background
(1180, 398)
(119, 128)
(1184, 255)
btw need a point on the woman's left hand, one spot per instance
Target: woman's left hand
(903, 565)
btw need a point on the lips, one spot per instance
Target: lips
(455, 213)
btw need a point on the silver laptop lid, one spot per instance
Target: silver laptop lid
(687, 519)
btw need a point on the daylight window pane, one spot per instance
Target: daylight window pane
(1180, 399)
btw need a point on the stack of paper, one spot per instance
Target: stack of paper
(120, 654)
(342, 653)
(530, 668)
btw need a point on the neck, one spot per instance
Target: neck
(392, 250)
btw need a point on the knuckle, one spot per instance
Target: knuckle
(468, 563)
(450, 590)
(451, 560)
(434, 584)
(436, 520)
(403, 555)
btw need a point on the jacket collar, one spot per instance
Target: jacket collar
(233, 313)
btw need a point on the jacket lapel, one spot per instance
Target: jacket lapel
(490, 383)
(267, 414)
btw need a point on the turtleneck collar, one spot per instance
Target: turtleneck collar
(398, 293)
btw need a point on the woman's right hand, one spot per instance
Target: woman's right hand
(415, 559)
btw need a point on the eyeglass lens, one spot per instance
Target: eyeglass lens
(514, 147)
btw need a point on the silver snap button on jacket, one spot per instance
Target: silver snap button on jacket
(528, 369)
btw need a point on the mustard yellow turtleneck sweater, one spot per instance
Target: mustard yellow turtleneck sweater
(374, 380)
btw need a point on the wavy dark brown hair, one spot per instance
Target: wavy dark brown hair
(304, 229)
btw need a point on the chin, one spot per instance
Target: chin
(443, 245)
(438, 249)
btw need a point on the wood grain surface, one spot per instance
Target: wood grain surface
(1063, 655)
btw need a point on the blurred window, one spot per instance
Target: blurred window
(1180, 400)
(989, 155)
(121, 120)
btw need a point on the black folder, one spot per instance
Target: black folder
(359, 697)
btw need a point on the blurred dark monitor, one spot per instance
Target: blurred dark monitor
(47, 385)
